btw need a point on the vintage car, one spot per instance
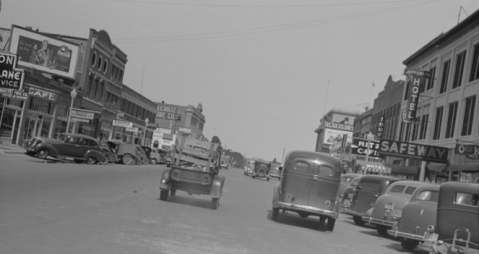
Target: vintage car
(275, 172)
(162, 153)
(261, 170)
(127, 153)
(143, 158)
(152, 154)
(247, 171)
(81, 148)
(388, 207)
(348, 193)
(346, 180)
(417, 215)
(109, 154)
(369, 188)
(194, 170)
(309, 186)
(456, 229)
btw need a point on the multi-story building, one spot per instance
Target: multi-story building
(447, 111)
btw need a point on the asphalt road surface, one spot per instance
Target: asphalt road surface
(49, 207)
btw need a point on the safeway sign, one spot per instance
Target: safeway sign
(10, 76)
(413, 150)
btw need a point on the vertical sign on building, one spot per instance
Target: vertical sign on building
(380, 130)
(416, 78)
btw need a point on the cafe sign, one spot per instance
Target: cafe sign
(41, 93)
(11, 77)
(360, 147)
(413, 150)
(120, 123)
(470, 151)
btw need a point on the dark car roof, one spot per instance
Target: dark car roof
(77, 135)
(321, 156)
(380, 178)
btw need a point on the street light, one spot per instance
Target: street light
(73, 94)
(144, 133)
(369, 137)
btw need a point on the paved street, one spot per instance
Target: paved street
(54, 207)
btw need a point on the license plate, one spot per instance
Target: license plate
(396, 213)
(389, 206)
(430, 237)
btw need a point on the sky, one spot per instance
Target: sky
(265, 71)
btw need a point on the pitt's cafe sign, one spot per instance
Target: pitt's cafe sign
(416, 78)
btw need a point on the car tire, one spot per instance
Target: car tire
(78, 161)
(106, 161)
(173, 192)
(330, 225)
(42, 153)
(274, 213)
(409, 245)
(163, 195)
(153, 161)
(91, 160)
(322, 219)
(358, 220)
(303, 214)
(127, 159)
(215, 203)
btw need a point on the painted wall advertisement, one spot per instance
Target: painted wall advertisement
(332, 136)
(44, 53)
(166, 112)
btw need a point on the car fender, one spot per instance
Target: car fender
(217, 186)
(164, 182)
(276, 195)
(96, 154)
(51, 150)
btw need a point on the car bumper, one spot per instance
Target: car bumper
(309, 209)
(396, 233)
(346, 210)
(375, 221)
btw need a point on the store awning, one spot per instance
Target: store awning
(470, 167)
(403, 170)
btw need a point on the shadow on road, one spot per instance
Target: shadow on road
(184, 199)
(293, 219)
(397, 247)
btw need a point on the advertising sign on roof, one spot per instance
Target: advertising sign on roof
(166, 112)
(44, 53)
(11, 77)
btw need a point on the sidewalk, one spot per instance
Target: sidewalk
(8, 147)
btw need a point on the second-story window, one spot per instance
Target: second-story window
(460, 59)
(451, 120)
(430, 82)
(475, 64)
(445, 76)
(438, 123)
(468, 116)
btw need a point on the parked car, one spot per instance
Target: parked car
(143, 158)
(456, 229)
(346, 179)
(127, 153)
(109, 154)
(152, 154)
(388, 207)
(369, 188)
(81, 148)
(162, 153)
(309, 186)
(261, 170)
(345, 198)
(247, 171)
(417, 215)
(224, 165)
(275, 172)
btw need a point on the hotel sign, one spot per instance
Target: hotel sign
(416, 77)
(413, 150)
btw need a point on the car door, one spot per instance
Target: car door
(69, 147)
(323, 186)
(81, 148)
(367, 192)
(297, 181)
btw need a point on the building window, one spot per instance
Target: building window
(424, 122)
(445, 76)
(105, 66)
(93, 59)
(475, 64)
(460, 59)
(401, 130)
(468, 116)
(414, 131)
(451, 119)
(437, 124)
(430, 83)
(100, 61)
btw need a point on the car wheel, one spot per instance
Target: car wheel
(409, 245)
(274, 214)
(78, 161)
(358, 220)
(43, 153)
(153, 161)
(127, 159)
(91, 160)
(173, 192)
(215, 203)
(163, 194)
(106, 161)
(322, 219)
(330, 225)
(382, 230)
(303, 215)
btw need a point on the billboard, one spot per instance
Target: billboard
(165, 111)
(44, 53)
(332, 136)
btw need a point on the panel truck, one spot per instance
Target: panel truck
(195, 168)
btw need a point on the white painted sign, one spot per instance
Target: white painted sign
(120, 123)
(84, 114)
(163, 130)
(134, 129)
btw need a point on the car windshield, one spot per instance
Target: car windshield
(429, 196)
(369, 185)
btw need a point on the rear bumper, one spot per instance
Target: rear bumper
(346, 210)
(308, 209)
(396, 233)
(375, 221)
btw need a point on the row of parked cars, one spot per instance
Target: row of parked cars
(86, 149)
(443, 218)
